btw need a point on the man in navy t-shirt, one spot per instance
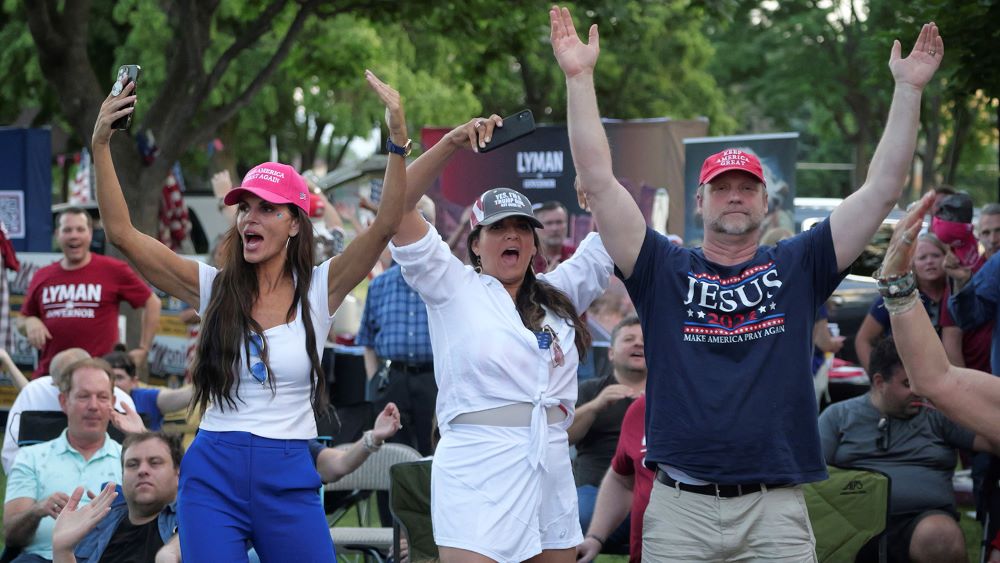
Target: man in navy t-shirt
(731, 410)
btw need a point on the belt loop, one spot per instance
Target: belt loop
(677, 489)
(717, 496)
(739, 490)
(763, 488)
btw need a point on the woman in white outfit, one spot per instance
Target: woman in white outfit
(506, 348)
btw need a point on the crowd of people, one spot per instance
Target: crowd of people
(625, 394)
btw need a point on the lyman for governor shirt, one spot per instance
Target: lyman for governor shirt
(80, 307)
(730, 396)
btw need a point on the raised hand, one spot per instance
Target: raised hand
(394, 117)
(130, 422)
(387, 423)
(919, 67)
(574, 56)
(112, 109)
(476, 132)
(73, 524)
(221, 183)
(899, 256)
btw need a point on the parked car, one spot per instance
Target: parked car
(853, 297)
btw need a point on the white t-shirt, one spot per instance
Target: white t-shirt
(484, 356)
(286, 413)
(38, 395)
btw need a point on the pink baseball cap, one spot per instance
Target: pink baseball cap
(273, 182)
(730, 159)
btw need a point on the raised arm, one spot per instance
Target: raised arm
(348, 269)
(157, 263)
(425, 169)
(855, 220)
(150, 324)
(622, 225)
(968, 397)
(20, 382)
(332, 464)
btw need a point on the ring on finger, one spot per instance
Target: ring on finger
(932, 52)
(479, 124)
(907, 240)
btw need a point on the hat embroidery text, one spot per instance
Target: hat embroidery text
(266, 174)
(508, 199)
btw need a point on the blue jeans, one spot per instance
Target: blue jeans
(236, 488)
(617, 541)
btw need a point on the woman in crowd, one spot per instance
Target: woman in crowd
(932, 285)
(506, 348)
(248, 475)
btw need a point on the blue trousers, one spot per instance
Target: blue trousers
(238, 489)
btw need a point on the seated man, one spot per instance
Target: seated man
(601, 406)
(624, 491)
(44, 475)
(889, 430)
(42, 394)
(150, 402)
(142, 523)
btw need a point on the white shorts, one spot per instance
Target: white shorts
(486, 498)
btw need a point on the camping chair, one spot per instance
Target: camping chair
(373, 475)
(847, 511)
(42, 426)
(410, 504)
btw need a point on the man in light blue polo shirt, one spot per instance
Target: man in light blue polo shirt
(44, 475)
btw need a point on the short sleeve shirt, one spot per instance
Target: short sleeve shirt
(729, 390)
(629, 459)
(54, 466)
(595, 449)
(80, 307)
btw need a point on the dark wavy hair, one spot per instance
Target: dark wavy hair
(228, 320)
(535, 294)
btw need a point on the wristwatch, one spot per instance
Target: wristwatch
(403, 151)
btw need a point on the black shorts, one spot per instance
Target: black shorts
(899, 533)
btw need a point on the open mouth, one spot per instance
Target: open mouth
(510, 256)
(252, 241)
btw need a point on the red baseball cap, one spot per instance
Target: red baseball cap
(316, 205)
(273, 182)
(730, 159)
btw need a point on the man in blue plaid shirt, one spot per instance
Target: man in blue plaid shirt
(394, 328)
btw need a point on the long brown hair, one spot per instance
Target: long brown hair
(535, 294)
(228, 320)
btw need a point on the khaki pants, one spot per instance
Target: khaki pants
(770, 525)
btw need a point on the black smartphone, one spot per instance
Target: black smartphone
(514, 127)
(126, 74)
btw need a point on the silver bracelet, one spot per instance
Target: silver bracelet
(900, 305)
(368, 442)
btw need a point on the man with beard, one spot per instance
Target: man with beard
(889, 429)
(600, 409)
(731, 415)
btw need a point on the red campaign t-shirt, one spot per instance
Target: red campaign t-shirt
(630, 460)
(80, 307)
(975, 343)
